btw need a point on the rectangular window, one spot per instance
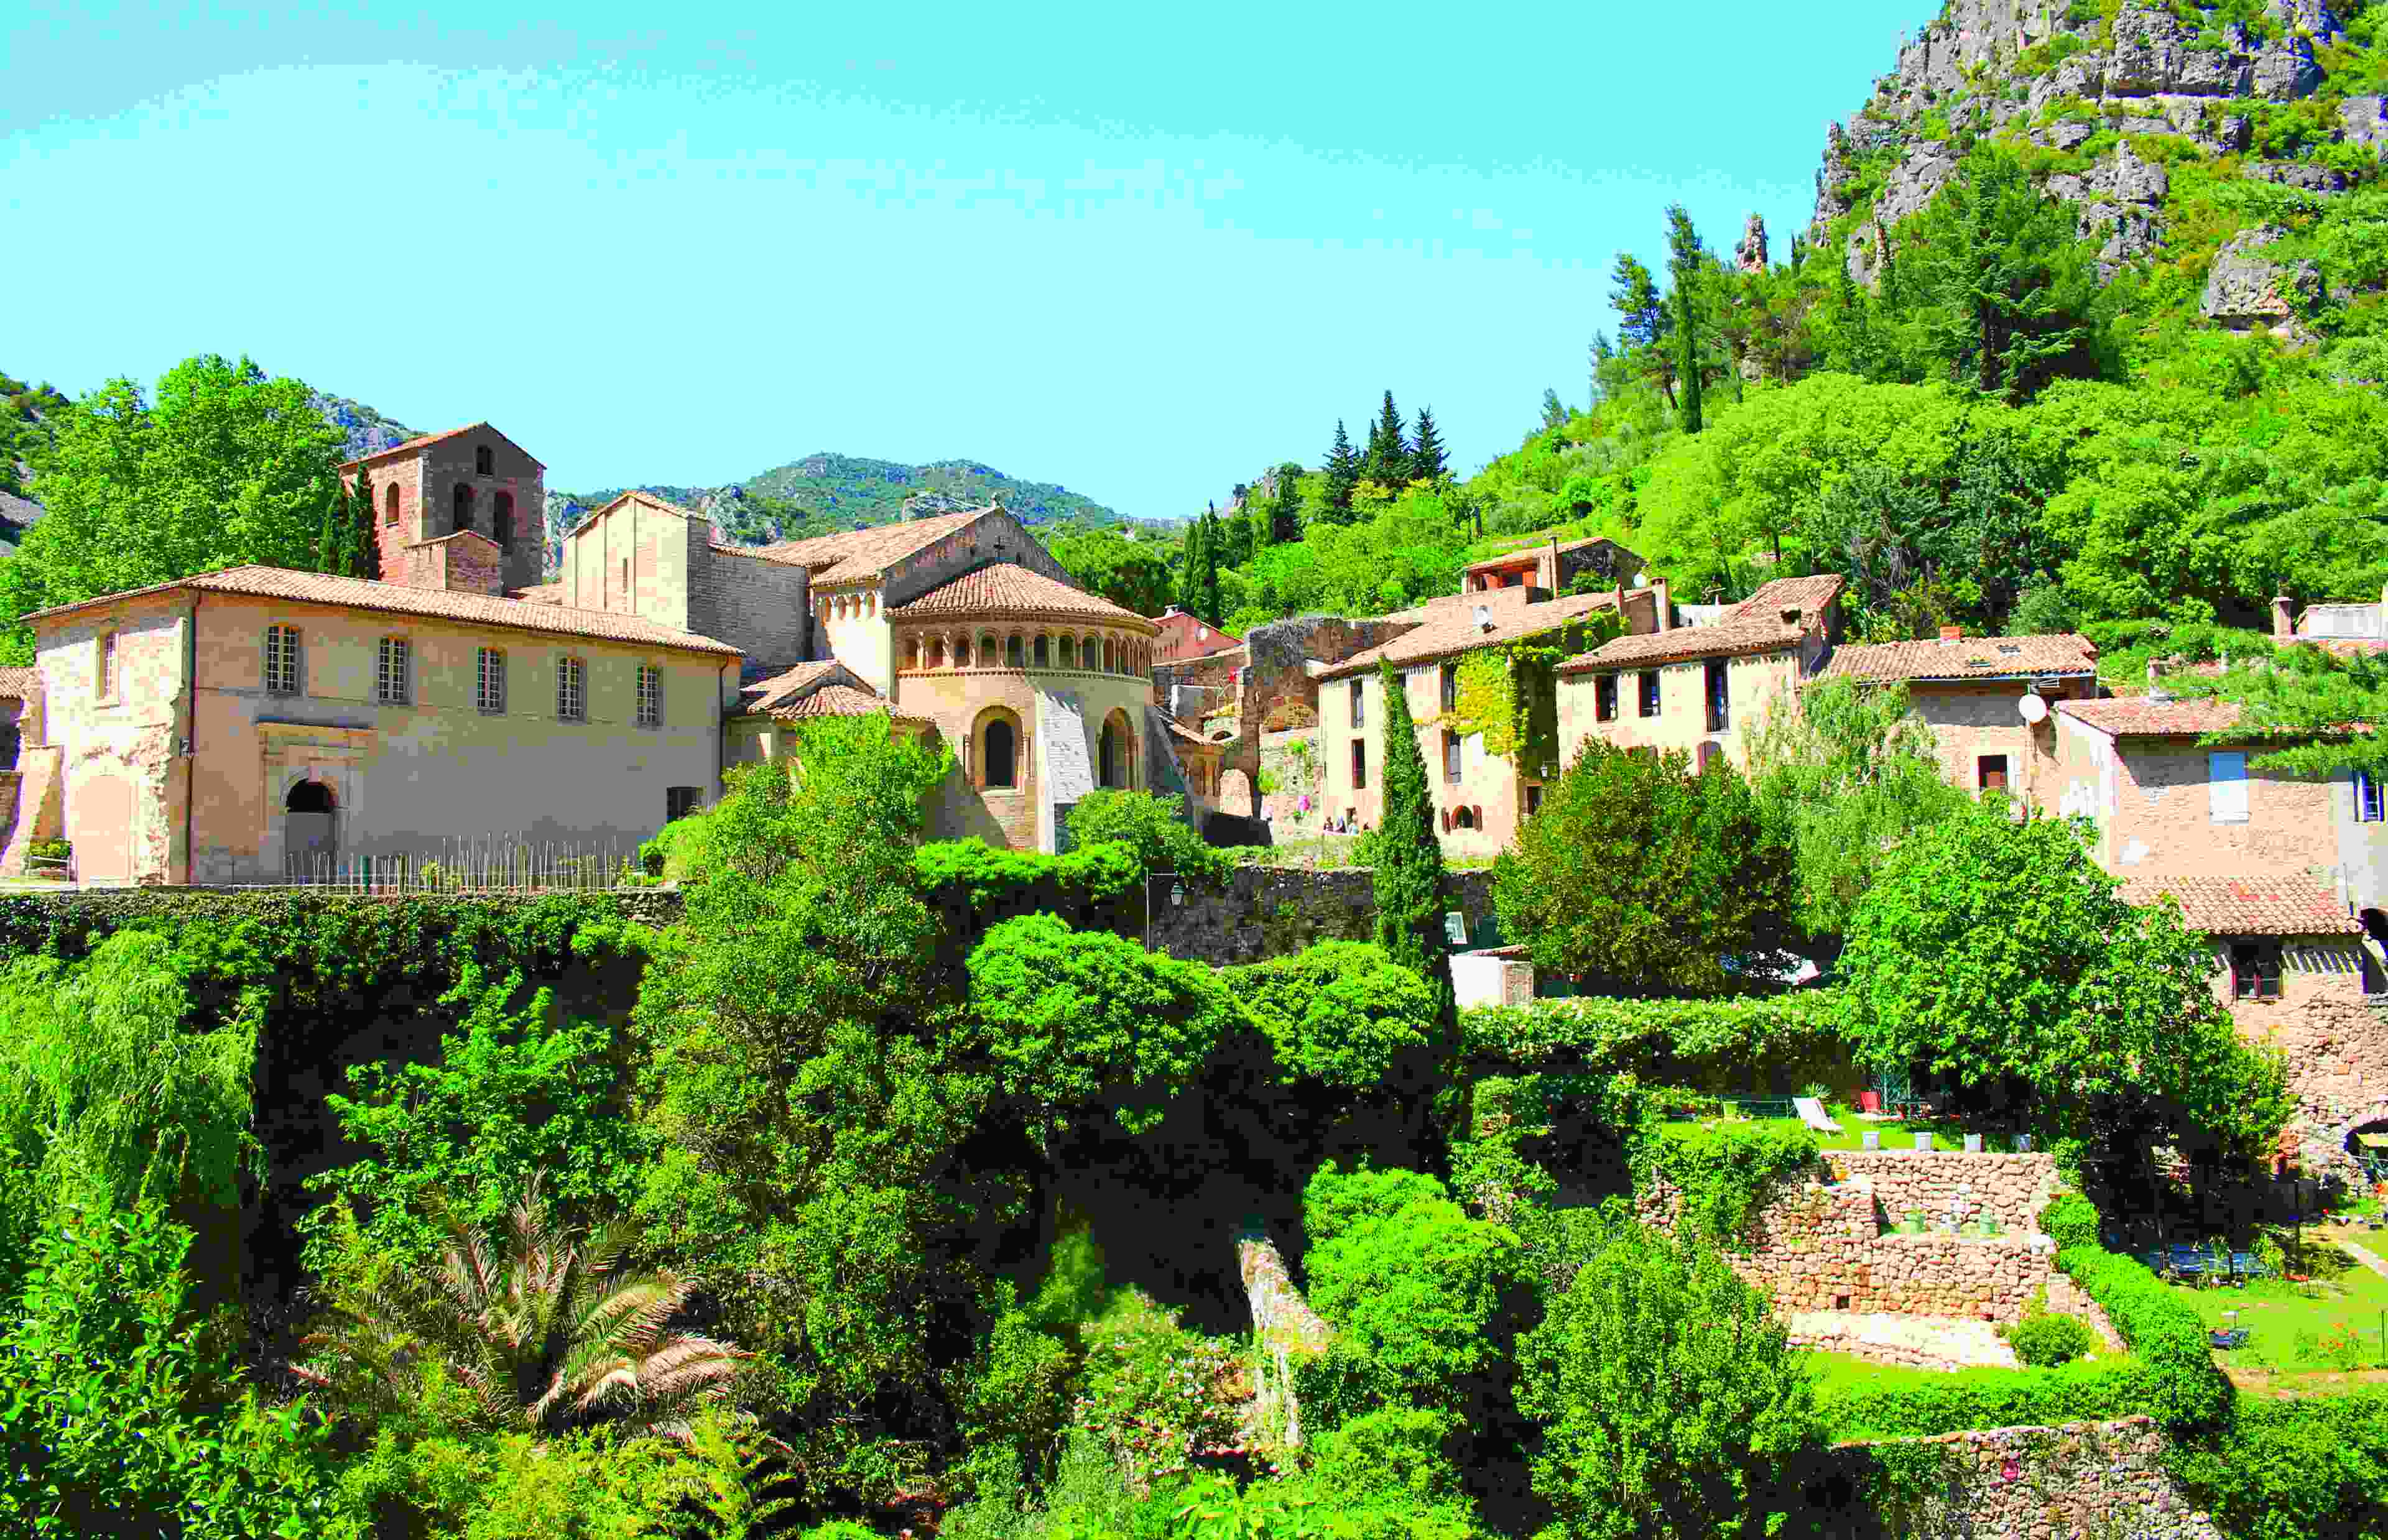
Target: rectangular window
(651, 696)
(1990, 772)
(1359, 766)
(571, 690)
(2366, 797)
(1719, 696)
(490, 688)
(392, 681)
(104, 678)
(1359, 704)
(281, 660)
(1604, 698)
(1534, 801)
(1450, 686)
(1650, 693)
(1451, 757)
(681, 800)
(2226, 787)
(2255, 970)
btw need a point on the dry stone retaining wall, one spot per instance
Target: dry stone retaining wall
(2075, 1480)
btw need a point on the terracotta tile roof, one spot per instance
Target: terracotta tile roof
(428, 438)
(1970, 658)
(1448, 632)
(761, 695)
(867, 552)
(1006, 588)
(540, 593)
(2256, 903)
(397, 598)
(663, 505)
(842, 700)
(2144, 716)
(21, 682)
(1510, 557)
(1756, 625)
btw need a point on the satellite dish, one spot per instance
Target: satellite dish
(2032, 709)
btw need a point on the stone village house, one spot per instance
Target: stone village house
(260, 724)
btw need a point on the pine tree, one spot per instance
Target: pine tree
(1645, 321)
(1284, 518)
(1408, 856)
(1683, 254)
(1389, 449)
(1342, 471)
(1428, 462)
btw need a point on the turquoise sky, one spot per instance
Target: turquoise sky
(1138, 251)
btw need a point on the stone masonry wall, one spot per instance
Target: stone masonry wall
(2079, 1479)
(2012, 1189)
(1268, 912)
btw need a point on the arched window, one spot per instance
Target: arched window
(1464, 818)
(999, 753)
(962, 653)
(501, 520)
(936, 652)
(389, 505)
(1015, 653)
(1044, 653)
(485, 464)
(990, 651)
(463, 509)
(1104, 655)
(1115, 753)
(912, 652)
(1069, 654)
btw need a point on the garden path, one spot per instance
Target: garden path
(2363, 1255)
(1933, 1342)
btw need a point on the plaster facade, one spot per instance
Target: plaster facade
(2155, 806)
(1754, 687)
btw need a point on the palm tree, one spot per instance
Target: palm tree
(544, 1331)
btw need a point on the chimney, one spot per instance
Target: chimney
(1484, 617)
(2284, 625)
(1666, 605)
(1555, 585)
(1952, 633)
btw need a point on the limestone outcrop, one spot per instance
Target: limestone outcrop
(2079, 86)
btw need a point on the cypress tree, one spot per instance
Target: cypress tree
(1389, 451)
(1427, 462)
(332, 534)
(365, 557)
(1286, 516)
(1342, 471)
(1259, 513)
(1408, 857)
(1189, 579)
(1210, 610)
(1683, 265)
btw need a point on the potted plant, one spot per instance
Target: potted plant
(1914, 1222)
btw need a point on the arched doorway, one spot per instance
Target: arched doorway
(998, 752)
(311, 831)
(1115, 753)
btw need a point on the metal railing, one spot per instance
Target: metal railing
(483, 863)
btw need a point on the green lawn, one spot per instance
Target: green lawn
(1894, 1135)
(1838, 1372)
(2276, 1314)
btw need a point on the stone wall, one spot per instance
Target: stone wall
(1817, 1245)
(2079, 1479)
(1270, 911)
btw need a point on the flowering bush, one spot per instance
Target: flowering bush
(1157, 1392)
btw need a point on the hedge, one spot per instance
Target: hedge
(2315, 1467)
(977, 887)
(2170, 1375)
(1703, 1045)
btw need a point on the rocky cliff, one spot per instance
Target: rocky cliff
(2103, 97)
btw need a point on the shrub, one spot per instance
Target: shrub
(1153, 1389)
(976, 886)
(1155, 827)
(2187, 1392)
(2315, 1467)
(1342, 1013)
(1669, 1398)
(2045, 1339)
(1725, 1171)
(1431, 1299)
(2070, 1220)
(1709, 1042)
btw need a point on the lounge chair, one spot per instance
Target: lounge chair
(1811, 1111)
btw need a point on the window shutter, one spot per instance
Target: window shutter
(2226, 787)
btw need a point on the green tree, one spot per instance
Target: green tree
(1428, 462)
(366, 560)
(1388, 449)
(1131, 573)
(228, 467)
(1843, 777)
(2013, 289)
(1643, 875)
(1190, 578)
(1342, 475)
(2316, 711)
(1672, 1402)
(1997, 954)
(1408, 853)
(1285, 510)
(1686, 267)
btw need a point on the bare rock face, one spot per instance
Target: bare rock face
(1985, 65)
(1750, 252)
(2245, 289)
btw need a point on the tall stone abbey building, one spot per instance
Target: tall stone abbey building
(258, 724)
